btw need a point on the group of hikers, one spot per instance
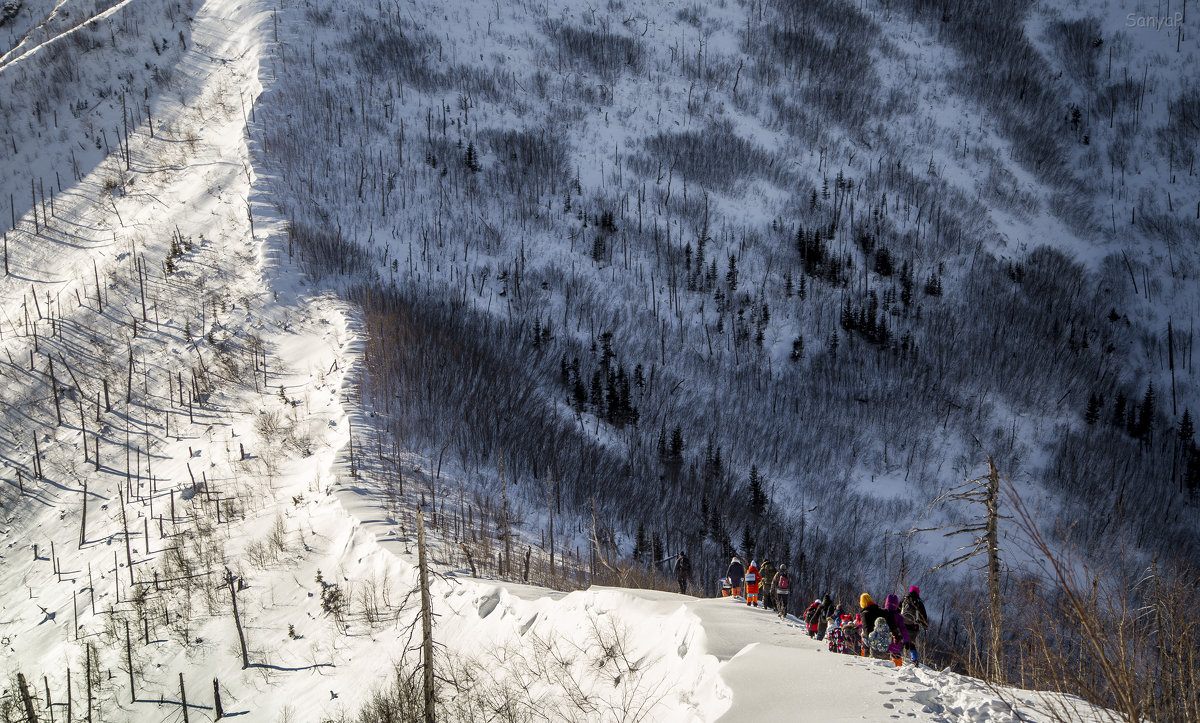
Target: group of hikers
(890, 631)
(762, 583)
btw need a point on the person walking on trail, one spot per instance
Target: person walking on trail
(867, 618)
(823, 615)
(752, 584)
(900, 639)
(851, 634)
(683, 572)
(834, 615)
(912, 609)
(736, 576)
(782, 587)
(810, 617)
(766, 571)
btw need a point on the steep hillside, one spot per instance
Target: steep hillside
(643, 250)
(590, 286)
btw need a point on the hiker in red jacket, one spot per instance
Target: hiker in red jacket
(811, 613)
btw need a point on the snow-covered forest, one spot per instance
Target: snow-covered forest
(591, 285)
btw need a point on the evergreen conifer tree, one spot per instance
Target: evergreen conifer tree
(1093, 409)
(797, 348)
(1144, 426)
(883, 261)
(472, 158)
(640, 549)
(716, 527)
(758, 497)
(596, 393)
(677, 444)
(747, 542)
(933, 286)
(906, 284)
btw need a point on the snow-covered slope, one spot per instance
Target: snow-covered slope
(603, 654)
(189, 418)
(234, 470)
(852, 247)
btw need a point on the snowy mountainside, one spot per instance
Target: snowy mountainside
(586, 285)
(852, 248)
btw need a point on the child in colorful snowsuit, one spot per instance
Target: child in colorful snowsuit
(833, 635)
(831, 612)
(752, 582)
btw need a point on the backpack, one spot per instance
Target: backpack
(851, 642)
(782, 585)
(880, 638)
(910, 613)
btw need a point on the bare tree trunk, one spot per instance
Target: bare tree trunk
(236, 618)
(83, 520)
(993, 567)
(470, 559)
(985, 490)
(550, 495)
(125, 529)
(507, 570)
(26, 699)
(129, 663)
(426, 620)
(88, 677)
(183, 698)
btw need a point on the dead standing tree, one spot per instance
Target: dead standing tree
(426, 623)
(230, 579)
(983, 490)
